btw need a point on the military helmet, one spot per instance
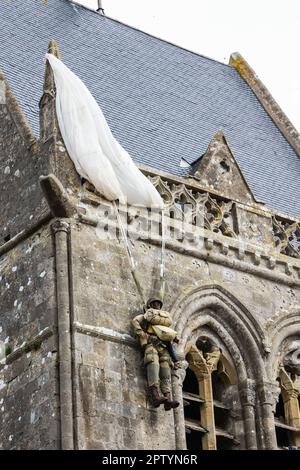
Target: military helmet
(154, 299)
(157, 292)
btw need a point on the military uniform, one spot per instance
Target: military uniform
(154, 333)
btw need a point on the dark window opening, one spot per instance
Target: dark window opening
(193, 440)
(225, 166)
(218, 385)
(192, 414)
(223, 421)
(191, 383)
(221, 417)
(282, 437)
(223, 443)
(279, 412)
(191, 409)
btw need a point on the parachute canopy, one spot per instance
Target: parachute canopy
(96, 154)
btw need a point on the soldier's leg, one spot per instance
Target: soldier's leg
(165, 379)
(164, 370)
(151, 361)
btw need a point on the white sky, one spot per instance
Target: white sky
(265, 32)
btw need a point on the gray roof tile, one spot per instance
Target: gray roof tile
(161, 101)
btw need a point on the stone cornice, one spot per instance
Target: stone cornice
(191, 183)
(223, 251)
(216, 221)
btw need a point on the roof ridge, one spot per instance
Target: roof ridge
(150, 34)
(267, 101)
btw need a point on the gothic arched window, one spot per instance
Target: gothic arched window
(207, 399)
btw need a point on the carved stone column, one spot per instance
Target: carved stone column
(203, 368)
(207, 412)
(267, 393)
(248, 400)
(61, 230)
(178, 376)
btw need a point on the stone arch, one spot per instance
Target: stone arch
(214, 306)
(224, 335)
(283, 326)
(284, 337)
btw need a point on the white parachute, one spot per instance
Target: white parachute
(96, 154)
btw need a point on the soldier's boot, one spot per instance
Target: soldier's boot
(169, 403)
(156, 398)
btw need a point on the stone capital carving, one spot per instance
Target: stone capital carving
(212, 359)
(197, 362)
(248, 393)
(203, 365)
(60, 226)
(290, 387)
(179, 371)
(291, 357)
(268, 393)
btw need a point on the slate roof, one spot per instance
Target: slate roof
(161, 101)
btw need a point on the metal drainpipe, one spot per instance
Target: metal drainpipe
(61, 233)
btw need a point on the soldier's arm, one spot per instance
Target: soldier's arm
(137, 326)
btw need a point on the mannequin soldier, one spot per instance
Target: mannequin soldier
(156, 337)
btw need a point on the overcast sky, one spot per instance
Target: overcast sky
(265, 32)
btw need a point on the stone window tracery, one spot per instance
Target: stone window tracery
(198, 207)
(287, 237)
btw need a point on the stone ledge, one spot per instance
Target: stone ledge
(27, 346)
(30, 230)
(105, 333)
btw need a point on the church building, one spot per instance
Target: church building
(226, 161)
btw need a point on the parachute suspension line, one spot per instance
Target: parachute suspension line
(129, 253)
(163, 244)
(125, 239)
(80, 194)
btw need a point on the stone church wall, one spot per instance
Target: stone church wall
(28, 368)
